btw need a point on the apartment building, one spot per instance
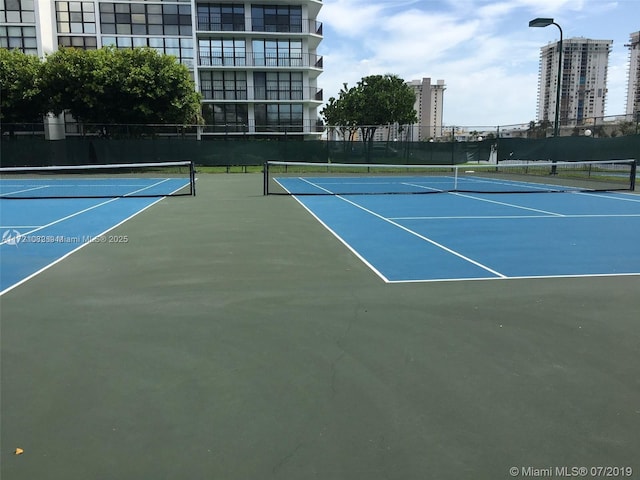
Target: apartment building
(255, 63)
(633, 82)
(584, 80)
(429, 107)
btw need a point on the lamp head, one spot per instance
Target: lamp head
(541, 22)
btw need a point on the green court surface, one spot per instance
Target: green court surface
(233, 337)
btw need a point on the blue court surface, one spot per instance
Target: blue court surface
(88, 187)
(36, 234)
(39, 232)
(460, 236)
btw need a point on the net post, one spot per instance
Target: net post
(634, 167)
(192, 177)
(265, 179)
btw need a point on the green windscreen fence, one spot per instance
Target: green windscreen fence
(569, 148)
(36, 151)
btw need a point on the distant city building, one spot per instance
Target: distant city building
(429, 106)
(633, 85)
(255, 63)
(584, 81)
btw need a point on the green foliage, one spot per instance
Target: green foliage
(21, 99)
(110, 86)
(538, 130)
(376, 100)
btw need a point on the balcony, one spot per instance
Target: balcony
(208, 24)
(309, 94)
(302, 60)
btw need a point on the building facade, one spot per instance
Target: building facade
(584, 81)
(429, 107)
(255, 63)
(633, 82)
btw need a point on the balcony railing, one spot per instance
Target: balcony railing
(208, 24)
(251, 127)
(262, 93)
(307, 60)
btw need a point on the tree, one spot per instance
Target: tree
(111, 86)
(336, 117)
(538, 130)
(21, 98)
(375, 100)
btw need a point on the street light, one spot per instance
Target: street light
(545, 22)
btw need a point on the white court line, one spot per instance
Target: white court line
(512, 205)
(524, 277)
(611, 197)
(423, 187)
(422, 237)
(25, 190)
(19, 226)
(498, 217)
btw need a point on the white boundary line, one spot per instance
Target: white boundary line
(523, 217)
(523, 277)
(505, 204)
(627, 198)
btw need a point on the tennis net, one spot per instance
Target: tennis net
(99, 181)
(301, 178)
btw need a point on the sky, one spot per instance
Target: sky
(484, 50)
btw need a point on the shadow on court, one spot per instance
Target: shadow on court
(233, 337)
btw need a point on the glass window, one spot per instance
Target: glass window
(123, 28)
(268, 18)
(137, 29)
(171, 30)
(139, 42)
(227, 117)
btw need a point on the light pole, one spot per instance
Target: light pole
(545, 22)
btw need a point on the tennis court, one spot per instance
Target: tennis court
(483, 224)
(66, 208)
(233, 336)
(464, 236)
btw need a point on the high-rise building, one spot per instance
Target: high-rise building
(633, 85)
(584, 80)
(255, 63)
(429, 107)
